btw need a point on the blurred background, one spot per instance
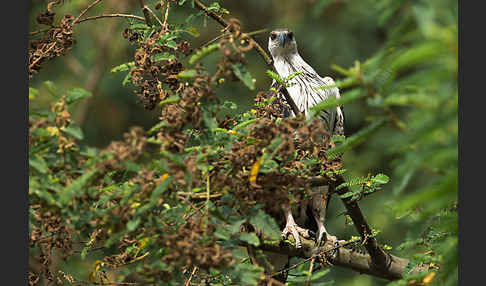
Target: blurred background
(328, 32)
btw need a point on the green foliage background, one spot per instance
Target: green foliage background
(400, 55)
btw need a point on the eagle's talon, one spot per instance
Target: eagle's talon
(296, 231)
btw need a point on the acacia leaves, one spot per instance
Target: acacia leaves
(365, 186)
(264, 223)
(242, 73)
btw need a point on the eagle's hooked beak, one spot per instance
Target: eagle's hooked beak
(282, 37)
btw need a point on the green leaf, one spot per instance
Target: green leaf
(261, 221)
(275, 76)
(235, 226)
(51, 88)
(204, 52)
(157, 127)
(132, 225)
(38, 163)
(160, 189)
(242, 73)
(126, 79)
(76, 94)
(187, 74)
(245, 123)
(84, 252)
(76, 188)
(246, 274)
(353, 182)
(139, 26)
(332, 102)
(171, 44)
(170, 100)
(123, 67)
(74, 131)
(354, 140)
(33, 93)
(162, 57)
(209, 120)
(381, 179)
(250, 238)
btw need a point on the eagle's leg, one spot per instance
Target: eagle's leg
(292, 228)
(319, 207)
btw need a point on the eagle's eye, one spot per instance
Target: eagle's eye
(290, 35)
(273, 36)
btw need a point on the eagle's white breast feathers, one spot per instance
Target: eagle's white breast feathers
(306, 89)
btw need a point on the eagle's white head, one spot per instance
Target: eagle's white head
(282, 43)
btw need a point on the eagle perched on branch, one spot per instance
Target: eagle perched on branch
(306, 91)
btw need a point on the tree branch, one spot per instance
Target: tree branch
(85, 10)
(111, 16)
(343, 257)
(381, 261)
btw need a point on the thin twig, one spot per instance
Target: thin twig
(196, 209)
(309, 275)
(211, 14)
(146, 11)
(40, 31)
(153, 14)
(78, 281)
(166, 15)
(146, 14)
(91, 250)
(39, 58)
(190, 277)
(112, 16)
(208, 193)
(86, 10)
(227, 35)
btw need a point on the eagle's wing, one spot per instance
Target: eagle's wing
(334, 117)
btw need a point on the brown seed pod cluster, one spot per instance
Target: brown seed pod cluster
(230, 54)
(269, 105)
(53, 128)
(50, 232)
(55, 42)
(156, 68)
(33, 278)
(189, 246)
(128, 150)
(63, 120)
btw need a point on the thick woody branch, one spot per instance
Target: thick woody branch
(381, 261)
(377, 262)
(343, 257)
(379, 257)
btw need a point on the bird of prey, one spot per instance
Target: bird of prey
(305, 94)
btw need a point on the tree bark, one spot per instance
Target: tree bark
(346, 258)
